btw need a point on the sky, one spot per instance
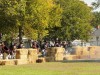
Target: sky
(89, 3)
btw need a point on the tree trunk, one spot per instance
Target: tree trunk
(20, 34)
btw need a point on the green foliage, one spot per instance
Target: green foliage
(39, 13)
(44, 15)
(75, 23)
(96, 4)
(96, 20)
(53, 68)
(55, 15)
(6, 22)
(65, 19)
(34, 16)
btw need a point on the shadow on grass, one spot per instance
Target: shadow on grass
(81, 60)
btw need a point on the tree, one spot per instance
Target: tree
(7, 18)
(31, 17)
(6, 22)
(96, 4)
(46, 14)
(96, 20)
(75, 23)
(55, 21)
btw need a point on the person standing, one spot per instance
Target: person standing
(5, 51)
(35, 46)
(1, 55)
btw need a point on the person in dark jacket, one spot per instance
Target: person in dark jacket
(35, 46)
(5, 49)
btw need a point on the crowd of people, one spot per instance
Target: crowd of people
(44, 45)
(9, 51)
(41, 47)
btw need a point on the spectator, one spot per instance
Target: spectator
(65, 45)
(45, 46)
(5, 51)
(57, 44)
(1, 55)
(5, 48)
(12, 50)
(20, 45)
(35, 46)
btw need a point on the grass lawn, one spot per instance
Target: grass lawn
(53, 68)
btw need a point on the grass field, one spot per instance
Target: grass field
(53, 68)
